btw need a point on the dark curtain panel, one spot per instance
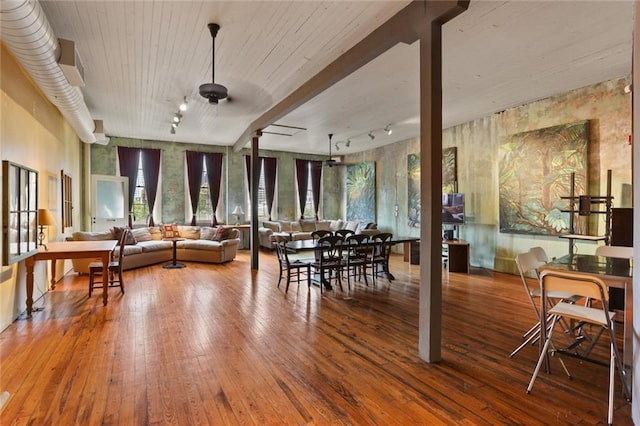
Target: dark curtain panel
(151, 173)
(247, 160)
(316, 179)
(270, 165)
(194, 177)
(302, 173)
(128, 158)
(214, 174)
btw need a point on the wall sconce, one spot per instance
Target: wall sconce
(237, 212)
(45, 218)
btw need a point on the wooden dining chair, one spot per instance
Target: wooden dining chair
(379, 255)
(319, 233)
(329, 261)
(356, 255)
(344, 233)
(114, 269)
(591, 287)
(293, 269)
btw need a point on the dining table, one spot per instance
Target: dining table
(312, 245)
(616, 273)
(54, 251)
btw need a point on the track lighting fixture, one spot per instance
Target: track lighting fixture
(348, 143)
(173, 130)
(183, 105)
(372, 136)
(388, 129)
(177, 117)
(337, 146)
(174, 125)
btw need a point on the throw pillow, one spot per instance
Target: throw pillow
(189, 232)
(170, 231)
(220, 233)
(117, 231)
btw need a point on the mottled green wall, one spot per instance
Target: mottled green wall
(172, 196)
(478, 143)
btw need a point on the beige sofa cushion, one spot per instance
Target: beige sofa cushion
(156, 232)
(336, 225)
(199, 244)
(154, 245)
(189, 232)
(308, 225)
(92, 236)
(285, 226)
(141, 234)
(352, 225)
(295, 226)
(274, 226)
(323, 225)
(207, 232)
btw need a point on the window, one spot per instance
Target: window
(205, 210)
(67, 201)
(308, 207)
(140, 207)
(263, 212)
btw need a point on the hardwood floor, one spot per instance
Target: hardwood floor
(218, 344)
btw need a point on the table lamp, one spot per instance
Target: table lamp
(45, 218)
(237, 212)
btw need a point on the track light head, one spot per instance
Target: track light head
(177, 117)
(372, 136)
(388, 129)
(337, 146)
(348, 143)
(183, 105)
(173, 130)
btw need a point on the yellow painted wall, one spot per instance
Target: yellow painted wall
(33, 133)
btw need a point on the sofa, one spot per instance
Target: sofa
(301, 229)
(146, 247)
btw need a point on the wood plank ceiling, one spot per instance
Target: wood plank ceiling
(142, 57)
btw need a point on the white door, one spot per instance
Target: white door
(109, 202)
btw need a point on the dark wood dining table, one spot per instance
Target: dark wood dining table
(312, 245)
(616, 273)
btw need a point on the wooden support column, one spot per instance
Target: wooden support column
(430, 330)
(255, 181)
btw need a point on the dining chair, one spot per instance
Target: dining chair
(528, 264)
(616, 295)
(344, 233)
(540, 254)
(114, 269)
(329, 260)
(319, 233)
(379, 255)
(591, 287)
(294, 269)
(615, 251)
(356, 256)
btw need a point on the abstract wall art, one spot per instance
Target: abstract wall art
(535, 172)
(361, 192)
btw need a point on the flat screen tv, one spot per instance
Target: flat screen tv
(453, 209)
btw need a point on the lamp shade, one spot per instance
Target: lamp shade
(237, 210)
(45, 218)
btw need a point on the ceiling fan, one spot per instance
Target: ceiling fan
(332, 162)
(212, 91)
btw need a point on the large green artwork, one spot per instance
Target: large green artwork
(535, 172)
(361, 192)
(449, 180)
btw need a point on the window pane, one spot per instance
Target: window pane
(140, 208)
